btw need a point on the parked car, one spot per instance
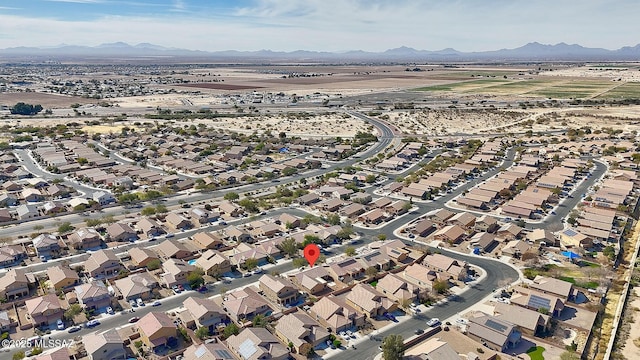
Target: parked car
(156, 303)
(139, 302)
(433, 322)
(60, 325)
(419, 331)
(73, 329)
(133, 303)
(203, 289)
(92, 323)
(109, 310)
(134, 319)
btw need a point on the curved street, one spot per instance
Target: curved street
(498, 273)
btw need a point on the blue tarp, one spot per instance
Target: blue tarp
(570, 254)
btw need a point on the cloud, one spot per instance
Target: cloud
(330, 25)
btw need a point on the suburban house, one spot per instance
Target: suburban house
(121, 232)
(256, 344)
(531, 322)
(177, 222)
(176, 272)
(103, 198)
(208, 240)
(299, 328)
(102, 263)
(244, 304)
(150, 227)
(335, 314)
(208, 351)
(278, 290)
(560, 288)
(85, 238)
(15, 284)
(494, 333)
(397, 288)
(11, 255)
(169, 249)
(141, 257)
(366, 299)
(213, 263)
(44, 311)
(452, 234)
(538, 301)
(313, 280)
(156, 329)
(203, 313)
(62, 277)
(443, 264)
(93, 295)
(137, 286)
(105, 345)
(46, 245)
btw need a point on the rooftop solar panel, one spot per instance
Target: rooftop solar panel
(538, 302)
(496, 326)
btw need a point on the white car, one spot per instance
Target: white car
(132, 303)
(139, 302)
(109, 310)
(60, 325)
(433, 322)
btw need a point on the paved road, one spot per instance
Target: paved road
(498, 273)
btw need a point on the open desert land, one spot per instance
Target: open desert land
(491, 121)
(48, 101)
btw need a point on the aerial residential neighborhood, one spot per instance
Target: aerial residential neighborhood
(170, 204)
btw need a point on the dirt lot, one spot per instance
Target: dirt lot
(46, 100)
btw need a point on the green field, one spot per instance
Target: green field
(630, 90)
(464, 86)
(554, 88)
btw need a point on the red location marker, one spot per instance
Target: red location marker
(311, 253)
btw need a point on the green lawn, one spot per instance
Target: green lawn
(535, 353)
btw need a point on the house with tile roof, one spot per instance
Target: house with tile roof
(298, 328)
(44, 311)
(156, 330)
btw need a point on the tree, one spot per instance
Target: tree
(195, 279)
(72, 311)
(333, 219)
(231, 329)
(393, 347)
(161, 209)
(249, 205)
(250, 264)
(299, 262)
(306, 349)
(202, 333)
(289, 247)
(25, 109)
(148, 211)
(310, 239)
(154, 264)
(259, 321)
(65, 227)
(231, 196)
(440, 286)
(350, 251)
(18, 356)
(370, 179)
(82, 161)
(371, 271)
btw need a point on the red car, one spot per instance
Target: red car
(134, 319)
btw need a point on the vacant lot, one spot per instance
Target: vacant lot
(46, 100)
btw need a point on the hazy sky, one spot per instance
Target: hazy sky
(323, 25)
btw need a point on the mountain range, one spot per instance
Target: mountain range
(122, 51)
